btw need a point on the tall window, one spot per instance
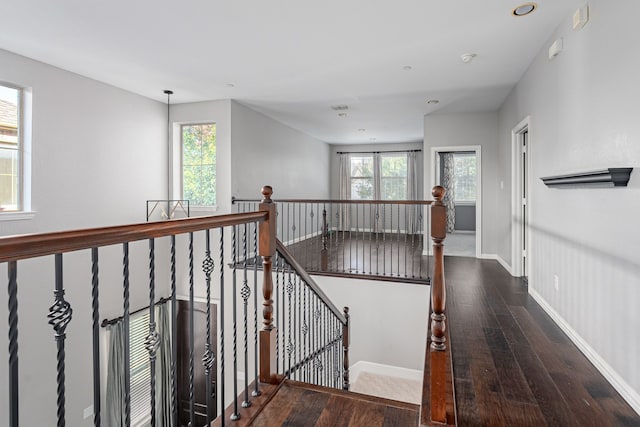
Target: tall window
(362, 177)
(10, 149)
(388, 181)
(199, 164)
(393, 180)
(465, 177)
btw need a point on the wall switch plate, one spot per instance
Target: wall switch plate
(556, 282)
(88, 412)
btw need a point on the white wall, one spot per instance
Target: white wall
(461, 129)
(266, 152)
(388, 320)
(584, 116)
(98, 153)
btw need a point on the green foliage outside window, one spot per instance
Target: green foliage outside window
(392, 179)
(199, 164)
(465, 177)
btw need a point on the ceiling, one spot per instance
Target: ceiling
(293, 59)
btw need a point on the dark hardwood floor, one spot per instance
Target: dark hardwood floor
(300, 405)
(512, 365)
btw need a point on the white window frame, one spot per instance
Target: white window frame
(176, 190)
(372, 177)
(23, 210)
(406, 177)
(467, 202)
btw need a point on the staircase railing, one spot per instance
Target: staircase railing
(377, 239)
(203, 258)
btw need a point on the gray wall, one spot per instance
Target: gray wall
(584, 115)
(98, 153)
(465, 218)
(265, 151)
(461, 129)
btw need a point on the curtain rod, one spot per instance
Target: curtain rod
(377, 152)
(115, 320)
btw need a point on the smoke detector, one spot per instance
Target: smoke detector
(468, 57)
(340, 107)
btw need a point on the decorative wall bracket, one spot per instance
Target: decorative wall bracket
(611, 177)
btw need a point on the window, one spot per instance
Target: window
(465, 177)
(140, 369)
(390, 180)
(394, 177)
(10, 149)
(362, 177)
(199, 163)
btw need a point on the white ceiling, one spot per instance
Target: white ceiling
(293, 59)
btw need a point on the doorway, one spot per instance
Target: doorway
(460, 169)
(521, 199)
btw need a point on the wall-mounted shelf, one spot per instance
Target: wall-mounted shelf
(611, 177)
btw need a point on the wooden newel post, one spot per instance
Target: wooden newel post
(438, 292)
(345, 351)
(267, 249)
(437, 355)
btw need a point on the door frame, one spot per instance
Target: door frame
(516, 197)
(435, 171)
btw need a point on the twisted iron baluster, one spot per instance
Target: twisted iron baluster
(60, 314)
(125, 320)
(245, 293)
(290, 343)
(95, 338)
(174, 334)
(12, 289)
(305, 330)
(298, 328)
(284, 325)
(208, 357)
(152, 341)
(277, 314)
(256, 392)
(192, 413)
(236, 414)
(221, 352)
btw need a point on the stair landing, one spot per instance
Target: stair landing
(301, 404)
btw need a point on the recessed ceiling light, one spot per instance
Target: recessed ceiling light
(361, 130)
(340, 107)
(468, 57)
(433, 101)
(407, 68)
(342, 114)
(230, 85)
(524, 9)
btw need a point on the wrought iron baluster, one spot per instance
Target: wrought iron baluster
(384, 240)
(413, 241)
(245, 292)
(421, 243)
(152, 341)
(356, 242)
(306, 236)
(174, 333)
(234, 256)
(406, 230)
(398, 241)
(290, 341)
(305, 330)
(371, 229)
(256, 391)
(127, 349)
(208, 357)
(277, 313)
(192, 413)
(95, 317)
(377, 239)
(12, 289)
(391, 240)
(298, 291)
(60, 314)
(221, 351)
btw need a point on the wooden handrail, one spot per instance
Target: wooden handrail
(13, 248)
(343, 201)
(282, 250)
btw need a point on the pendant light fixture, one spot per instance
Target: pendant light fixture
(169, 150)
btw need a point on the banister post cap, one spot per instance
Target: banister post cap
(346, 310)
(267, 191)
(438, 192)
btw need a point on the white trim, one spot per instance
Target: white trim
(16, 216)
(378, 368)
(435, 169)
(501, 261)
(626, 391)
(516, 196)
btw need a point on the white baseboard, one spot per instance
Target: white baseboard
(498, 258)
(626, 391)
(377, 368)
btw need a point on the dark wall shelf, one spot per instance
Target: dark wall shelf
(611, 177)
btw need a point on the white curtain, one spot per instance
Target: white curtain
(448, 182)
(412, 191)
(163, 367)
(344, 190)
(114, 413)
